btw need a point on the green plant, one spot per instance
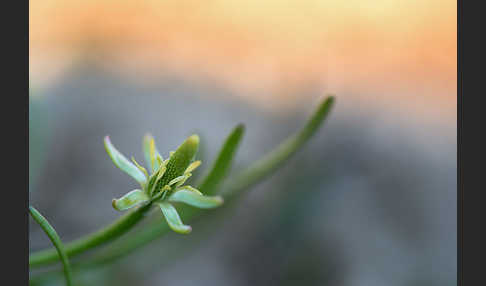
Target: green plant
(166, 182)
(56, 241)
(164, 185)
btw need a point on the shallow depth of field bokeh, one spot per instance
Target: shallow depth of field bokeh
(371, 200)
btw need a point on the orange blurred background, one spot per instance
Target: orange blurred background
(390, 53)
(376, 189)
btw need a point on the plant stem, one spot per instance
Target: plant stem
(250, 176)
(52, 234)
(114, 230)
(247, 178)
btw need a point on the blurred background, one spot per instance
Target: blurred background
(371, 200)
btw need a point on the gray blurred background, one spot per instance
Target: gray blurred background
(370, 200)
(367, 202)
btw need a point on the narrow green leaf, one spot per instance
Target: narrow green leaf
(273, 160)
(150, 152)
(196, 200)
(223, 162)
(52, 234)
(130, 200)
(173, 219)
(123, 163)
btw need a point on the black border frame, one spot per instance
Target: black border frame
(470, 143)
(459, 145)
(17, 59)
(15, 115)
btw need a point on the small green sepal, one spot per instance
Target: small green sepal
(194, 199)
(123, 163)
(173, 219)
(129, 200)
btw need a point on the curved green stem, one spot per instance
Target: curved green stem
(52, 234)
(114, 230)
(208, 186)
(250, 176)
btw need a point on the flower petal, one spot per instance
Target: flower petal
(130, 200)
(122, 162)
(173, 219)
(189, 188)
(196, 200)
(150, 152)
